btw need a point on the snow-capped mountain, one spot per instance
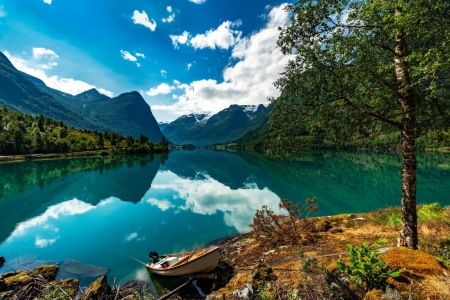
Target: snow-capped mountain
(205, 129)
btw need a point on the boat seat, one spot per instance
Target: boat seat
(181, 261)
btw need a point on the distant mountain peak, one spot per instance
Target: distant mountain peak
(91, 95)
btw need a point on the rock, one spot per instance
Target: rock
(262, 272)
(48, 272)
(99, 289)
(2, 261)
(2, 284)
(246, 293)
(17, 281)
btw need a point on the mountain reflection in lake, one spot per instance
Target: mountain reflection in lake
(111, 212)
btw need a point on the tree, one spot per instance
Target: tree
(143, 139)
(130, 141)
(100, 140)
(366, 67)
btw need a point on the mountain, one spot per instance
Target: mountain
(20, 94)
(127, 114)
(227, 125)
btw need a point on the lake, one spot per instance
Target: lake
(110, 212)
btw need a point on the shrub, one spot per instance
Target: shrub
(366, 265)
(282, 228)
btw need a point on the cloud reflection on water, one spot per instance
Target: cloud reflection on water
(208, 196)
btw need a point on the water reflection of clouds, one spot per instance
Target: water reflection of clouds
(209, 196)
(68, 208)
(64, 209)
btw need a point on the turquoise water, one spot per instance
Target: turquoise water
(110, 212)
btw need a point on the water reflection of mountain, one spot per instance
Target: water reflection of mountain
(341, 181)
(31, 187)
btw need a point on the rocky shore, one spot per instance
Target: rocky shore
(253, 267)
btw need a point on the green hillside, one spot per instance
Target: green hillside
(27, 134)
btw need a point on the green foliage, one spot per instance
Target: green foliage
(366, 265)
(426, 212)
(25, 134)
(56, 293)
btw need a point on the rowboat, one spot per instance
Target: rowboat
(184, 263)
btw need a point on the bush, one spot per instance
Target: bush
(366, 265)
(281, 228)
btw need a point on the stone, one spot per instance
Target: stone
(19, 280)
(246, 293)
(99, 289)
(2, 284)
(48, 272)
(2, 261)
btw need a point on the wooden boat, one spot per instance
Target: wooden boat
(184, 263)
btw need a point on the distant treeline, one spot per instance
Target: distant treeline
(27, 134)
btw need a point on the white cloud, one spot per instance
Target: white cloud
(139, 54)
(179, 39)
(67, 85)
(163, 88)
(39, 52)
(198, 1)
(2, 11)
(161, 204)
(247, 81)
(169, 9)
(127, 55)
(142, 19)
(169, 19)
(176, 82)
(163, 73)
(189, 65)
(222, 37)
(48, 1)
(130, 237)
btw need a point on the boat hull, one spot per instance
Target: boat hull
(201, 264)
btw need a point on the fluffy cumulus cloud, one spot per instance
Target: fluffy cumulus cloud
(198, 1)
(35, 68)
(171, 17)
(139, 54)
(179, 39)
(257, 63)
(48, 1)
(163, 88)
(163, 73)
(223, 37)
(142, 19)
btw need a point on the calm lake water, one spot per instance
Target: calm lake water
(110, 212)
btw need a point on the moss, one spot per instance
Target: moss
(98, 289)
(21, 279)
(419, 262)
(48, 272)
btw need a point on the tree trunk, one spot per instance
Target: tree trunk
(408, 234)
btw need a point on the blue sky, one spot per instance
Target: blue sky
(183, 56)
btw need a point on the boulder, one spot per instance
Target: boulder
(244, 294)
(99, 289)
(2, 261)
(48, 272)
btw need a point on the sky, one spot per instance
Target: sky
(183, 56)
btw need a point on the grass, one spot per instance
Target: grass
(393, 216)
